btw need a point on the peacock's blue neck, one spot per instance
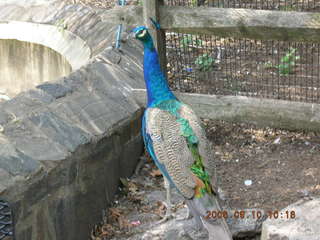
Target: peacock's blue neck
(156, 82)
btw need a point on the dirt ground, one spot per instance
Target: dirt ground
(282, 165)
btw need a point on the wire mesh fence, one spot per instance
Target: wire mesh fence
(256, 68)
(6, 223)
(227, 66)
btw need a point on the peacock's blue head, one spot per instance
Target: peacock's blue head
(141, 33)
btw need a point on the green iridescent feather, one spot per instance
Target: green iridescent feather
(186, 131)
(198, 169)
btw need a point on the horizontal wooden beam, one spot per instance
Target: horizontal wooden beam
(262, 112)
(248, 23)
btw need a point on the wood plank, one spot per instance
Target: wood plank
(229, 22)
(260, 111)
(151, 9)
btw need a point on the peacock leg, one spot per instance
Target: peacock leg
(168, 215)
(140, 164)
(168, 191)
(187, 217)
(189, 214)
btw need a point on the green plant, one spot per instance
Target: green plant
(194, 3)
(287, 62)
(188, 39)
(288, 8)
(61, 25)
(204, 62)
(268, 64)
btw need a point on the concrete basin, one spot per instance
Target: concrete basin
(34, 53)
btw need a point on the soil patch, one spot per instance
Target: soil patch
(282, 166)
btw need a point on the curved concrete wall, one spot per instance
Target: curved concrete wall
(28, 2)
(25, 65)
(72, 47)
(32, 53)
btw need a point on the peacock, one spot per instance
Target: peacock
(177, 143)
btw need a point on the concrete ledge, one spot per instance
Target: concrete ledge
(299, 220)
(262, 112)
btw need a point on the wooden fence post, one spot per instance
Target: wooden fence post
(151, 9)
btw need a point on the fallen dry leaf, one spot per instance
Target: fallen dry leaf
(115, 213)
(123, 223)
(107, 230)
(155, 173)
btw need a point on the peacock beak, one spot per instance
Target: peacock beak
(131, 35)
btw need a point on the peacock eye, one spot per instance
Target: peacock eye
(141, 33)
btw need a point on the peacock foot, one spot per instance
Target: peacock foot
(187, 217)
(140, 164)
(166, 218)
(168, 215)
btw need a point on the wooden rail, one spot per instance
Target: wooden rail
(247, 23)
(231, 22)
(262, 112)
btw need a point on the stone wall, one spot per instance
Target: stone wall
(65, 144)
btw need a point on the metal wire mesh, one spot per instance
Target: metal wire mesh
(256, 68)
(227, 66)
(6, 223)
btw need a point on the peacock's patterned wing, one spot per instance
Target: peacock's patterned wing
(204, 146)
(169, 149)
